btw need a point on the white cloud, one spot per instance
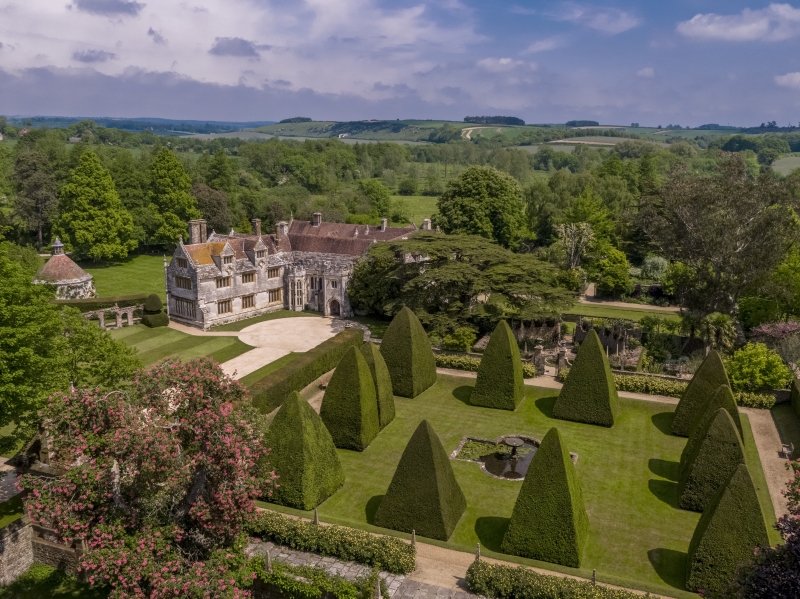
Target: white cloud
(790, 80)
(543, 45)
(503, 65)
(646, 72)
(605, 20)
(776, 22)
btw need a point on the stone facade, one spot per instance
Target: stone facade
(16, 550)
(217, 279)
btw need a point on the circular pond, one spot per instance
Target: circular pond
(510, 460)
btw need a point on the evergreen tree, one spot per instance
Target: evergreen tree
(169, 193)
(500, 383)
(35, 184)
(383, 382)
(409, 358)
(220, 173)
(705, 382)
(92, 220)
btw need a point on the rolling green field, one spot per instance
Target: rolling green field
(635, 312)
(787, 164)
(419, 207)
(638, 537)
(139, 274)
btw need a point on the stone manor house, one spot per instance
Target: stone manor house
(216, 279)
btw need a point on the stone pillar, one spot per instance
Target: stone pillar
(256, 222)
(101, 316)
(118, 314)
(426, 224)
(129, 314)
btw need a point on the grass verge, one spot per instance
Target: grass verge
(259, 374)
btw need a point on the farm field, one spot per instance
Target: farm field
(638, 537)
(139, 274)
(787, 164)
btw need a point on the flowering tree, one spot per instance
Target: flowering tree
(158, 482)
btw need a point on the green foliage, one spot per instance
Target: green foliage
(549, 521)
(424, 495)
(499, 383)
(483, 201)
(100, 303)
(214, 206)
(721, 398)
(612, 274)
(703, 385)
(462, 339)
(350, 407)
(269, 392)
(408, 355)
(45, 581)
(383, 382)
(171, 204)
(152, 304)
(472, 363)
(378, 196)
(509, 582)
(303, 453)
(300, 582)
(349, 544)
(761, 401)
(731, 527)
(589, 394)
(92, 220)
(155, 320)
(654, 267)
(755, 367)
(713, 453)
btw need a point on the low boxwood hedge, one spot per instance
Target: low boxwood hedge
(301, 582)
(349, 544)
(471, 364)
(269, 392)
(101, 303)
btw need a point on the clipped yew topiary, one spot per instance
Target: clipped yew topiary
(424, 495)
(153, 316)
(383, 382)
(407, 351)
(704, 383)
(500, 383)
(549, 521)
(721, 398)
(349, 408)
(303, 453)
(589, 394)
(731, 527)
(716, 451)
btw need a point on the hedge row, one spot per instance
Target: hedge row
(509, 582)
(101, 303)
(269, 392)
(349, 544)
(471, 364)
(304, 582)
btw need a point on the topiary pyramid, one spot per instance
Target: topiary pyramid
(153, 316)
(407, 351)
(499, 383)
(304, 456)
(731, 527)
(424, 494)
(715, 453)
(349, 407)
(549, 521)
(704, 383)
(721, 398)
(589, 394)
(383, 383)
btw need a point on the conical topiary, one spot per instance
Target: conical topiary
(704, 383)
(424, 495)
(716, 452)
(303, 454)
(589, 394)
(549, 521)
(383, 382)
(721, 398)
(153, 316)
(407, 351)
(731, 527)
(349, 407)
(499, 383)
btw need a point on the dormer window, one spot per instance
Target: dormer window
(181, 262)
(227, 259)
(261, 253)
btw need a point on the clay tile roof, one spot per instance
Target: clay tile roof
(330, 245)
(61, 268)
(201, 253)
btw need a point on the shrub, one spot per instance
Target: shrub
(101, 303)
(704, 383)
(152, 304)
(654, 267)
(716, 450)
(300, 582)
(270, 391)
(549, 521)
(383, 382)
(721, 398)
(409, 358)
(796, 396)
(303, 453)
(499, 383)
(349, 544)
(755, 367)
(761, 401)
(508, 582)
(472, 363)
(155, 320)
(731, 527)
(350, 408)
(424, 495)
(462, 339)
(612, 274)
(589, 394)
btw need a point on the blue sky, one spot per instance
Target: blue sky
(684, 61)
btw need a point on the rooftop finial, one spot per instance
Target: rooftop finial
(58, 247)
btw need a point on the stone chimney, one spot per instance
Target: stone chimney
(426, 224)
(197, 231)
(384, 222)
(58, 247)
(316, 219)
(283, 228)
(256, 226)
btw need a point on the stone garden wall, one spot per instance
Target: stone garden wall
(16, 550)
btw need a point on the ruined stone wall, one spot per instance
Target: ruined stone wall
(16, 550)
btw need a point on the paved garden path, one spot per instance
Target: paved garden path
(8, 478)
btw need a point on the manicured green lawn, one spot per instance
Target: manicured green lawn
(44, 582)
(238, 326)
(8, 446)
(259, 374)
(638, 535)
(419, 207)
(377, 326)
(139, 274)
(12, 509)
(634, 313)
(158, 343)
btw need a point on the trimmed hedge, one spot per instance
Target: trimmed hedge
(714, 452)
(472, 363)
(589, 394)
(731, 527)
(155, 320)
(499, 383)
(270, 391)
(301, 582)
(721, 398)
(152, 305)
(409, 358)
(549, 520)
(424, 494)
(303, 453)
(383, 382)
(101, 303)
(508, 582)
(704, 383)
(761, 401)
(349, 407)
(796, 396)
(349, 544)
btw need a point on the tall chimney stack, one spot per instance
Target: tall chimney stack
(384, 223)
(256, 226)
(283, 228)
(426, 224)
(316, 219)
(197, 231)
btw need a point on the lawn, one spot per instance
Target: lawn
(12, 509)
(377, 325)
(419, 207)
(238, 326)
(43, 581)
(8, 445)
(158, 343)
(635, 312)
(259, 374)
(140, 274)
(638, 536)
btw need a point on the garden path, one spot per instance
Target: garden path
(768, 442)
(8, 478)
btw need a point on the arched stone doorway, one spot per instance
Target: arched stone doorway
(334, 308)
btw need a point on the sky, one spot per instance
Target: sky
(686, 62)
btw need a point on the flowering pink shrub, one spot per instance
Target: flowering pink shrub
(776, 330)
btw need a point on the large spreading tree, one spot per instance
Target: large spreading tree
(35, 184)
